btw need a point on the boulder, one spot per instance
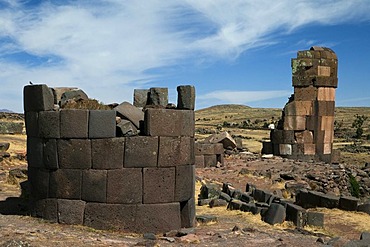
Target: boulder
(4, 146)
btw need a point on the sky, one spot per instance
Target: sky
(233, 52)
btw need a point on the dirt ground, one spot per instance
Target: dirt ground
(249, 230)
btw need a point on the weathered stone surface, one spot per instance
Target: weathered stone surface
(46, 209)
(65, 184)
(218, 203)
(107, 153)
(326, 94)
(71, 211)
(296, 214)
(305, 93)
(58, 92)
(102, 123)
(127, 111)
(208, 148)
(111, 216)
(126, 128)
(305, 136)
(74, 123)
(315, 219)
(72, 95)
(175, 151)
(364, 208)
(141, 151)
(199, 161)
(37, 98)
(210, 160)
(275, 214)
(48, 122)
(295, 123)
(50, 154)
(158, 218)
(186, 97)
(348, 203)
(224, 138)
(11, 128)
(94, 185)
(158, 96)
(185, 183)
(74, 153)
(187, 213)
(169, 122)
(298, 108)
(140, 97)
(159, 185)
(39, 183)
(35, 152)
(32, 124)
(124, 186)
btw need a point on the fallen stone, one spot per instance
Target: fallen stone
(348, 203)
(224, 138)
(364, 208)
(365, 236)
(208, 191)
(150, 236)
(275, 214)
(235, 204)
(315, 219)
(126, 128)
(189, 239)
(4, 146)
(225, 196)
(74, 94)
(217, 203)
(127, 111)
(206, 218)
(203, 202)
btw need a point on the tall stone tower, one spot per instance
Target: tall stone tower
(306, 130)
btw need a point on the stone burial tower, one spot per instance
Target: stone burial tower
(306, 130)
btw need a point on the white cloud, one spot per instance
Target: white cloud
(108, 45)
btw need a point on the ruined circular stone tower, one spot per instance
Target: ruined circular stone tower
(306, 130)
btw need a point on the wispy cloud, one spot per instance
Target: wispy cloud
(109, 47)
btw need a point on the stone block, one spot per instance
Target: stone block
(37, 98)
(208, 148)
(140, 97)
(315, 219)
(186, 97)
(308, 199)
(305, 136)
(49, 124)
(285, 149)
(305, 93)
(325, 81)
(329, 201)
(324, 148)
(187, 210)
(59, 91)
(127, 111)
(326, 94)
(326, 123)
(141, 151)
(159, 185)
(111, 216)
(217, 203)
(71, 211)
(324, 136)
(246, 197)
(296, 214)
(50, 154)
(35, 152)
(74, 153)
(175, 151)
(235, 204)
(299, 81)
(107, 153)
(94, 185)
(158, 96)
(185, 183)
(158, 218)
(199, 161)
(39, 183)
(169, 122)
(323, 71)
(46, 209)
(348, 203)
(267, 148)
(32, 124)
(288, 137)
(65, 184)
(295, 123)
(102, 124)
(73, 95)
(210, 160)
(74, 123)
(309, 149)
(298, 108)
(224, 137)
(225, 196)
(124, 186)
(324, 108)
(126, 128)
(312, 123)
(275, 214)
(365, 207)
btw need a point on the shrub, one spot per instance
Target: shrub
(354, 186)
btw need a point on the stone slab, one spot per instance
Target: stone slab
(124, 186)
(46, 209)
(74, 153)
(305, 93)
(315, 219)
(210, 160)
(295, 123)
(74, 123)
(141, 151)
(107, 153)
(275, 214)
(159, 185)
(348, 203)
(102, 124)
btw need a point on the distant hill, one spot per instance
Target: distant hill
(6, 110)
(232, 107)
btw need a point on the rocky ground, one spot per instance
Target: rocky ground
(229, 227)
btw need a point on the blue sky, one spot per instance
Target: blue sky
(232, 51)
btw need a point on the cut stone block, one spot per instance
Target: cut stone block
(32, 124)
(288, 137)
(296, 214)
(140, 97)
(158, 218)
(324, 136)
(210, 160)
(141, 151)
(94, 185)
(208, 148)
(175, 151)
(298, 108)
(159, 185)
(295, 123)
(323, 71)
(305, 93)
(111, 216)
(126, 128)
(275, 214)
(199, 161)
(74, 123)
(35, 152)
(186, 97)
(311, 123)
(324, 108)
(326, 94)
(50, 154)
(102, 124)
(158, 96)
(217, 203)
(124, 186)
(58, 92)
(327, 123)
(46, 209)
(305, 136)
(224, 138)
(315, 219)
(187, 209)
(65, 184)
(169, 122)
(127, 111)
(185, 183)
(267, 148)
(107, 153)
(37, 98)
(71, 211)
(285, 149)
(74, 153)
(39, 183)
(49, 124)
(348, 203)
(364, 208)
(324, 81)
(73, 95)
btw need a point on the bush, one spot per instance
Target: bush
(354, 186)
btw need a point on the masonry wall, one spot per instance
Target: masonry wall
(306, 130)
(208, 154)
(81, 173)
